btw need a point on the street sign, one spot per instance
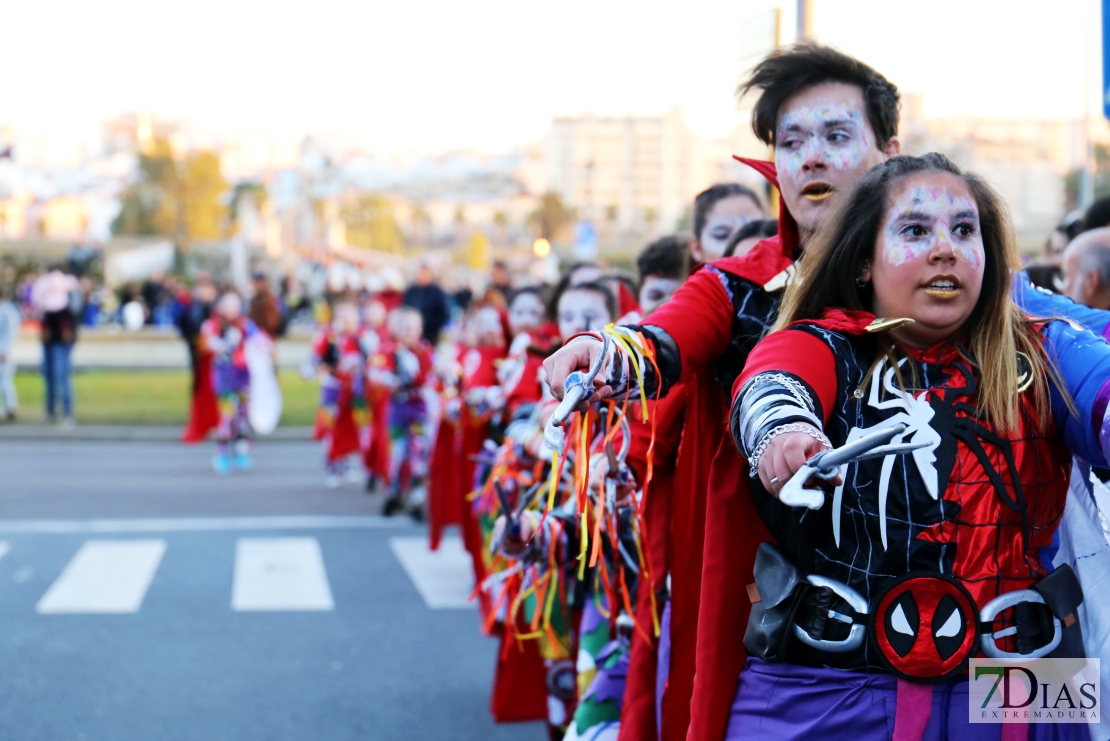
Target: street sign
(585, 241)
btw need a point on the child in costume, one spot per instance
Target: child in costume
(376, 453)
(339, 359)
(403, 367)
(533, 340)
(224, 335)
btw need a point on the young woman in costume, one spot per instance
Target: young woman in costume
(901, 315)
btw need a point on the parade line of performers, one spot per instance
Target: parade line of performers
(662, 543)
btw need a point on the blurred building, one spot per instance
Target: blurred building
(629, 173)
(1028, 162)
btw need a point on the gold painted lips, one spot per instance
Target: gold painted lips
(817, 192)
(943, 287)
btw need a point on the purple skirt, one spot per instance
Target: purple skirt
(780, 702)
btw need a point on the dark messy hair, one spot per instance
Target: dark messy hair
(665, 258)
(597, 287)
(540, 292)
(792, 69)
(995, 330)
(760, 228)
(709, 197)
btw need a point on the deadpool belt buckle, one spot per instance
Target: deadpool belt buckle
(925, 626)
(992, 610)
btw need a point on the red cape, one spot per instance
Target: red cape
(733, 529)
(701, 469)
(375, 456)
(444, 501)
(204, 412)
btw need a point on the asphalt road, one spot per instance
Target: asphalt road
(142, 597)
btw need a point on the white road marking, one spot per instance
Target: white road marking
(444, 578)
(5, 546)
(191, 524)
(105, 576)
(276, 574)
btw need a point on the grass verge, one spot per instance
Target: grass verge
(154, 397)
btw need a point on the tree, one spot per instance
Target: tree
(149, 206)
(203, 213)
(180, 201)
(370, 224)
(552, 218)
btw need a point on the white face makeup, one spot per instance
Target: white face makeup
(726, 217)
(346, 318)
(823, 143)
(656, 291)
(834, 133)
(929, 259)
(487, 327)
(582, 311)
(923, 217)
(525, 313)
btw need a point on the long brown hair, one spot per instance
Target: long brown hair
(994, 333)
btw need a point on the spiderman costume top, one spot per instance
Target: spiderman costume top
(974, 504)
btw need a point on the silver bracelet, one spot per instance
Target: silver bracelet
(753, 462)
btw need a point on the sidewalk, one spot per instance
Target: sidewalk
(127, 433)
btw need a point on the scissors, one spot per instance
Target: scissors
(827, 464)
(576, 387)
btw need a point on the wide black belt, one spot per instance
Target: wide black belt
(924, 625)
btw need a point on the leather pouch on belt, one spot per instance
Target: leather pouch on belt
(773, 605)
(1063, 594)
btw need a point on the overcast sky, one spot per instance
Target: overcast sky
(412, 75)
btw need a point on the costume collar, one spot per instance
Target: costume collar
(768, 263)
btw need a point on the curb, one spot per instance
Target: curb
(130, 433)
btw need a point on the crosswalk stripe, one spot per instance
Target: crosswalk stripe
(276, 574)
(104, 576)
(444, 578)
(202, 524)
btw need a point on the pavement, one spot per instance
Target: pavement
(144, 597)
(126, 433)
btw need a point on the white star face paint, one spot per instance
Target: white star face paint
(823, 143)
(928, 260)
(924, 217)
(833, 133)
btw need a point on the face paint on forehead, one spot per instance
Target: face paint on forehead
(838, 132)
(939, 212)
